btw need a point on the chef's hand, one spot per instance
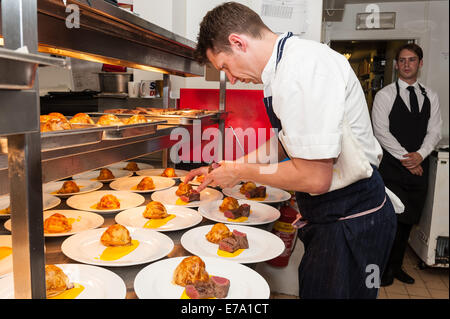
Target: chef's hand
(225, 175)
(412, 160)
(418, 170)
(196, 172)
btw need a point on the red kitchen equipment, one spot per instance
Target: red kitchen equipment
(288, 234)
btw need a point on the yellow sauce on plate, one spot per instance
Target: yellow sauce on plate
(158, 222)
(70, 293)
(115, 253)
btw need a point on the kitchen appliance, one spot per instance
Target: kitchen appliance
(429, 238)
(114, 82)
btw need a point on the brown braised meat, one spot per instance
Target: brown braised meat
(242, 211)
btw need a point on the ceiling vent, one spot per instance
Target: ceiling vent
(333, 10)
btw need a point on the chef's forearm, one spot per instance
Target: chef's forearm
(298, 175)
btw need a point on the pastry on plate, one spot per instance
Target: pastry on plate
(218, 232)
(187, 193)
(131, 166)
(246, 187)
(105, 174)
(69, 187)
(155, 210)
(169, 172)
(145, 184)
(108, 202)
(189, 271)
(116, 235)
(56, 281)
(229, 203)
(57, 223)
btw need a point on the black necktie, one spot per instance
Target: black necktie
(413, 100)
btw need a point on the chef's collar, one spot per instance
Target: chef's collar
(269, 69)
(404, 85)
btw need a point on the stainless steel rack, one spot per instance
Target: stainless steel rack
(107, 34)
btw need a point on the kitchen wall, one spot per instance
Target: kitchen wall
(183, 17)
(425, 21)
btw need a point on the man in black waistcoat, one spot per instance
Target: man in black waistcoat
(407, 123)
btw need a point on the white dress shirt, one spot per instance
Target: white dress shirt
(382, 106)
(312, 88)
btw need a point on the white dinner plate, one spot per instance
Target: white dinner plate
(122, 165)
(88, 201)
(262, 245)
(80, 221)
(158, 171)
(98, 282)
(130, 183)
(168, 197)
(259, 213)
(155, 280)
(184, 218)
(6, 264)
(86, 247)
(92, 175)
(274, 195)
(48, 202)
(85, 186)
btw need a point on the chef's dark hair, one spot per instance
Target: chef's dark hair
(411, 47)
(220, 22)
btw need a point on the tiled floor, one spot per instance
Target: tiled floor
(430, 283)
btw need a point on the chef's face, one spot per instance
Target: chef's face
(408, 65)
(236, 66)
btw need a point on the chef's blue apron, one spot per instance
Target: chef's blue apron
(343, 258)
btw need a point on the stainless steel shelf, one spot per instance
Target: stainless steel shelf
(63, 163)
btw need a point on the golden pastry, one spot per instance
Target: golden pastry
(218, 232)
(145, 184)
(136, 119)
(55, 124)
(155, 210)
(229, 203)
(56, 281)
(69, 187)
(109, 119)
(200, 178)
(81, 118)
(189, 271)
(116, 235)
(105, 174)
(131, 166)
(169, 172)
(246, 187)
(108, 202)
(184, 189)
(57, 223)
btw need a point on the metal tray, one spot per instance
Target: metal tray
(115, 132)
(80, 134)
(209, 118)
(18, 69)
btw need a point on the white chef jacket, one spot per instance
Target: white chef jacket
(312, 88)
(382, 106)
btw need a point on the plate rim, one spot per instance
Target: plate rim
(68, 240)
(201, 210)
(239, 228)
(111, 185)
(284, 192)
(113, 277)
(106, 211)
(188, 204)
(124, 212)
(206, 259)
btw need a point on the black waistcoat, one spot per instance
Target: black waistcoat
(409, 130)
